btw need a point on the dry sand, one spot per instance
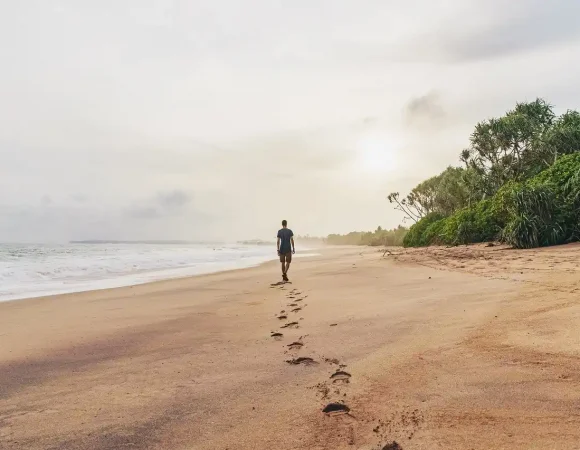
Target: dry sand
(464, 348)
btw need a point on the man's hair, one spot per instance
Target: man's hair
(284, 223)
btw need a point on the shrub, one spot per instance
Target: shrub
(533, 219)
(433, 234)
(416, 235)
(544, 210)
(468, 225)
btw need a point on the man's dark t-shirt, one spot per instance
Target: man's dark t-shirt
(285, 234)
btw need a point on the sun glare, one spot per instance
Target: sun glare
(377, 153)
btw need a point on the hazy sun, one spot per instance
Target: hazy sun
(377, 152)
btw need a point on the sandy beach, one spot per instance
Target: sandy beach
(460, 348)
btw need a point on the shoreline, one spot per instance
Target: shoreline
(128, 280)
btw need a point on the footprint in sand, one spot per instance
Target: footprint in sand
(282, 317)
(295, 345)
(277, 336)
(333, 409)
(290, 325)
(304, 360)
(293, 304)
(392, 446)
(296, 310)
(340, 376)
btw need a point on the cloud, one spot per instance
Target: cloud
(495, 29)
(174, 199)
(426, 108)
(57, 223)
(143, 212)
(164, 203)
(79, 198)
(46, 200)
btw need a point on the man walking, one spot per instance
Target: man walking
(285, 248)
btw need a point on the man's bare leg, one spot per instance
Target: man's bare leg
(287, 268)
(283, 269)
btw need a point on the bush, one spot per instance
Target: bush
(460, 228)
(544, 210)
(468, 225)
(433, 234)
(533, 221)
(416, 235)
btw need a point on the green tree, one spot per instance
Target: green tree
(442, 194)
(511, 147)
(562, 139)
(380, 237)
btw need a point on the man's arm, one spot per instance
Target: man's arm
(278, 245)
(293, 248)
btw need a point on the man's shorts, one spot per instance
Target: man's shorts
(286, 257)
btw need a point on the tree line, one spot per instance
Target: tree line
(379, 237)
(519, 183)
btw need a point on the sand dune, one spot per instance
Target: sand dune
(463, 348)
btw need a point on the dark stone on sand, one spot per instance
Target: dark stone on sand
(336, 408)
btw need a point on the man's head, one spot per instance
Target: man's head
(284, 223)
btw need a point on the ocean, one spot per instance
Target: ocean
(34, 270)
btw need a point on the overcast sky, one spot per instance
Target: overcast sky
(215, 119)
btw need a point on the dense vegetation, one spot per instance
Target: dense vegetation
(520, 184)
(377, 238)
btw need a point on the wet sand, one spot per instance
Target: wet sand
(463, 348)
